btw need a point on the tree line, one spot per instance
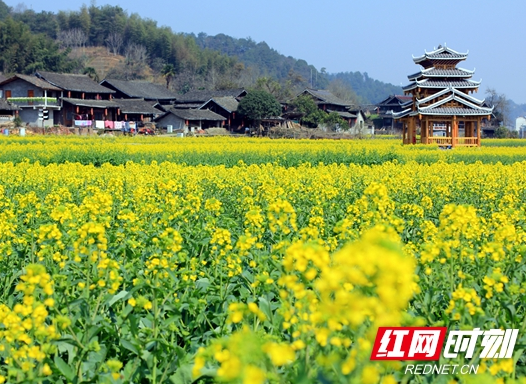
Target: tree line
(31, 41)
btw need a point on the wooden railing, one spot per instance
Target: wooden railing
(467, 141)
(458, 141)
(440, 140)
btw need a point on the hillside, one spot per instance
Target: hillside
(106, 41)
(270, 62)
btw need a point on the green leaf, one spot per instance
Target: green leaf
(65, 369)
(264, 305)
(129, 346)
(202, 284)
(183, 375)
(117, 297)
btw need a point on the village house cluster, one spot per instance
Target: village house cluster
(47, 99)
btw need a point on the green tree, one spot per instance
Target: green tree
(335, 122)
(168, 72)
(502, 132)
(92, 73)
(4, 10)
(258, 105)
(312, 115)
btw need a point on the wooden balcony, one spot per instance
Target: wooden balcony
(35, 102)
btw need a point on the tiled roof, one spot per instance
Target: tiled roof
(455, 111)
(327, 97)
(75, 83)
(138, 106)
(228, 103)
(444, 111)
(195, 114)
(428, 83)
(188, 105)
(32, 80)
(434, 72)
(457, 96)
(394, 100)
(203, 96)
(346, 115)
(141, 89)
(91, 103)
(442, 53)
(454, 93)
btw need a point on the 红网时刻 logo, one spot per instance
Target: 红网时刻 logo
(430, 343)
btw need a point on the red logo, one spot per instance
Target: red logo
(408, 343)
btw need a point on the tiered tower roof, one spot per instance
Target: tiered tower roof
(441, 56)
(441, 88)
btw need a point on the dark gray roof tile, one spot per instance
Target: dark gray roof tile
(141, 89)
(228, 103)
(137, 106)
(91, 103)
(32, 80)
(75, 83)
(327, 97)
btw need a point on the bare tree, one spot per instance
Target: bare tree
(343, 90)
(79, 37)
(114, 42)
(501, 107)
(136, 54)
(136, 59)
(72, 38)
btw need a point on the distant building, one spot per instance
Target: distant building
(520, 126)
(328, 102)
(189, 119)
(225, 106)
(390, 105)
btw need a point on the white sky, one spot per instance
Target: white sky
(375, 36)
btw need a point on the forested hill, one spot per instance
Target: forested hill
(269, 62)
(140, 49)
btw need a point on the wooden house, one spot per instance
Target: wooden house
(80, 97)
(138, 110)
(140, 90)
(390, 105)
(226, 106)
(441, 106)
(189, 119)
(328, 102)
(33, 96)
